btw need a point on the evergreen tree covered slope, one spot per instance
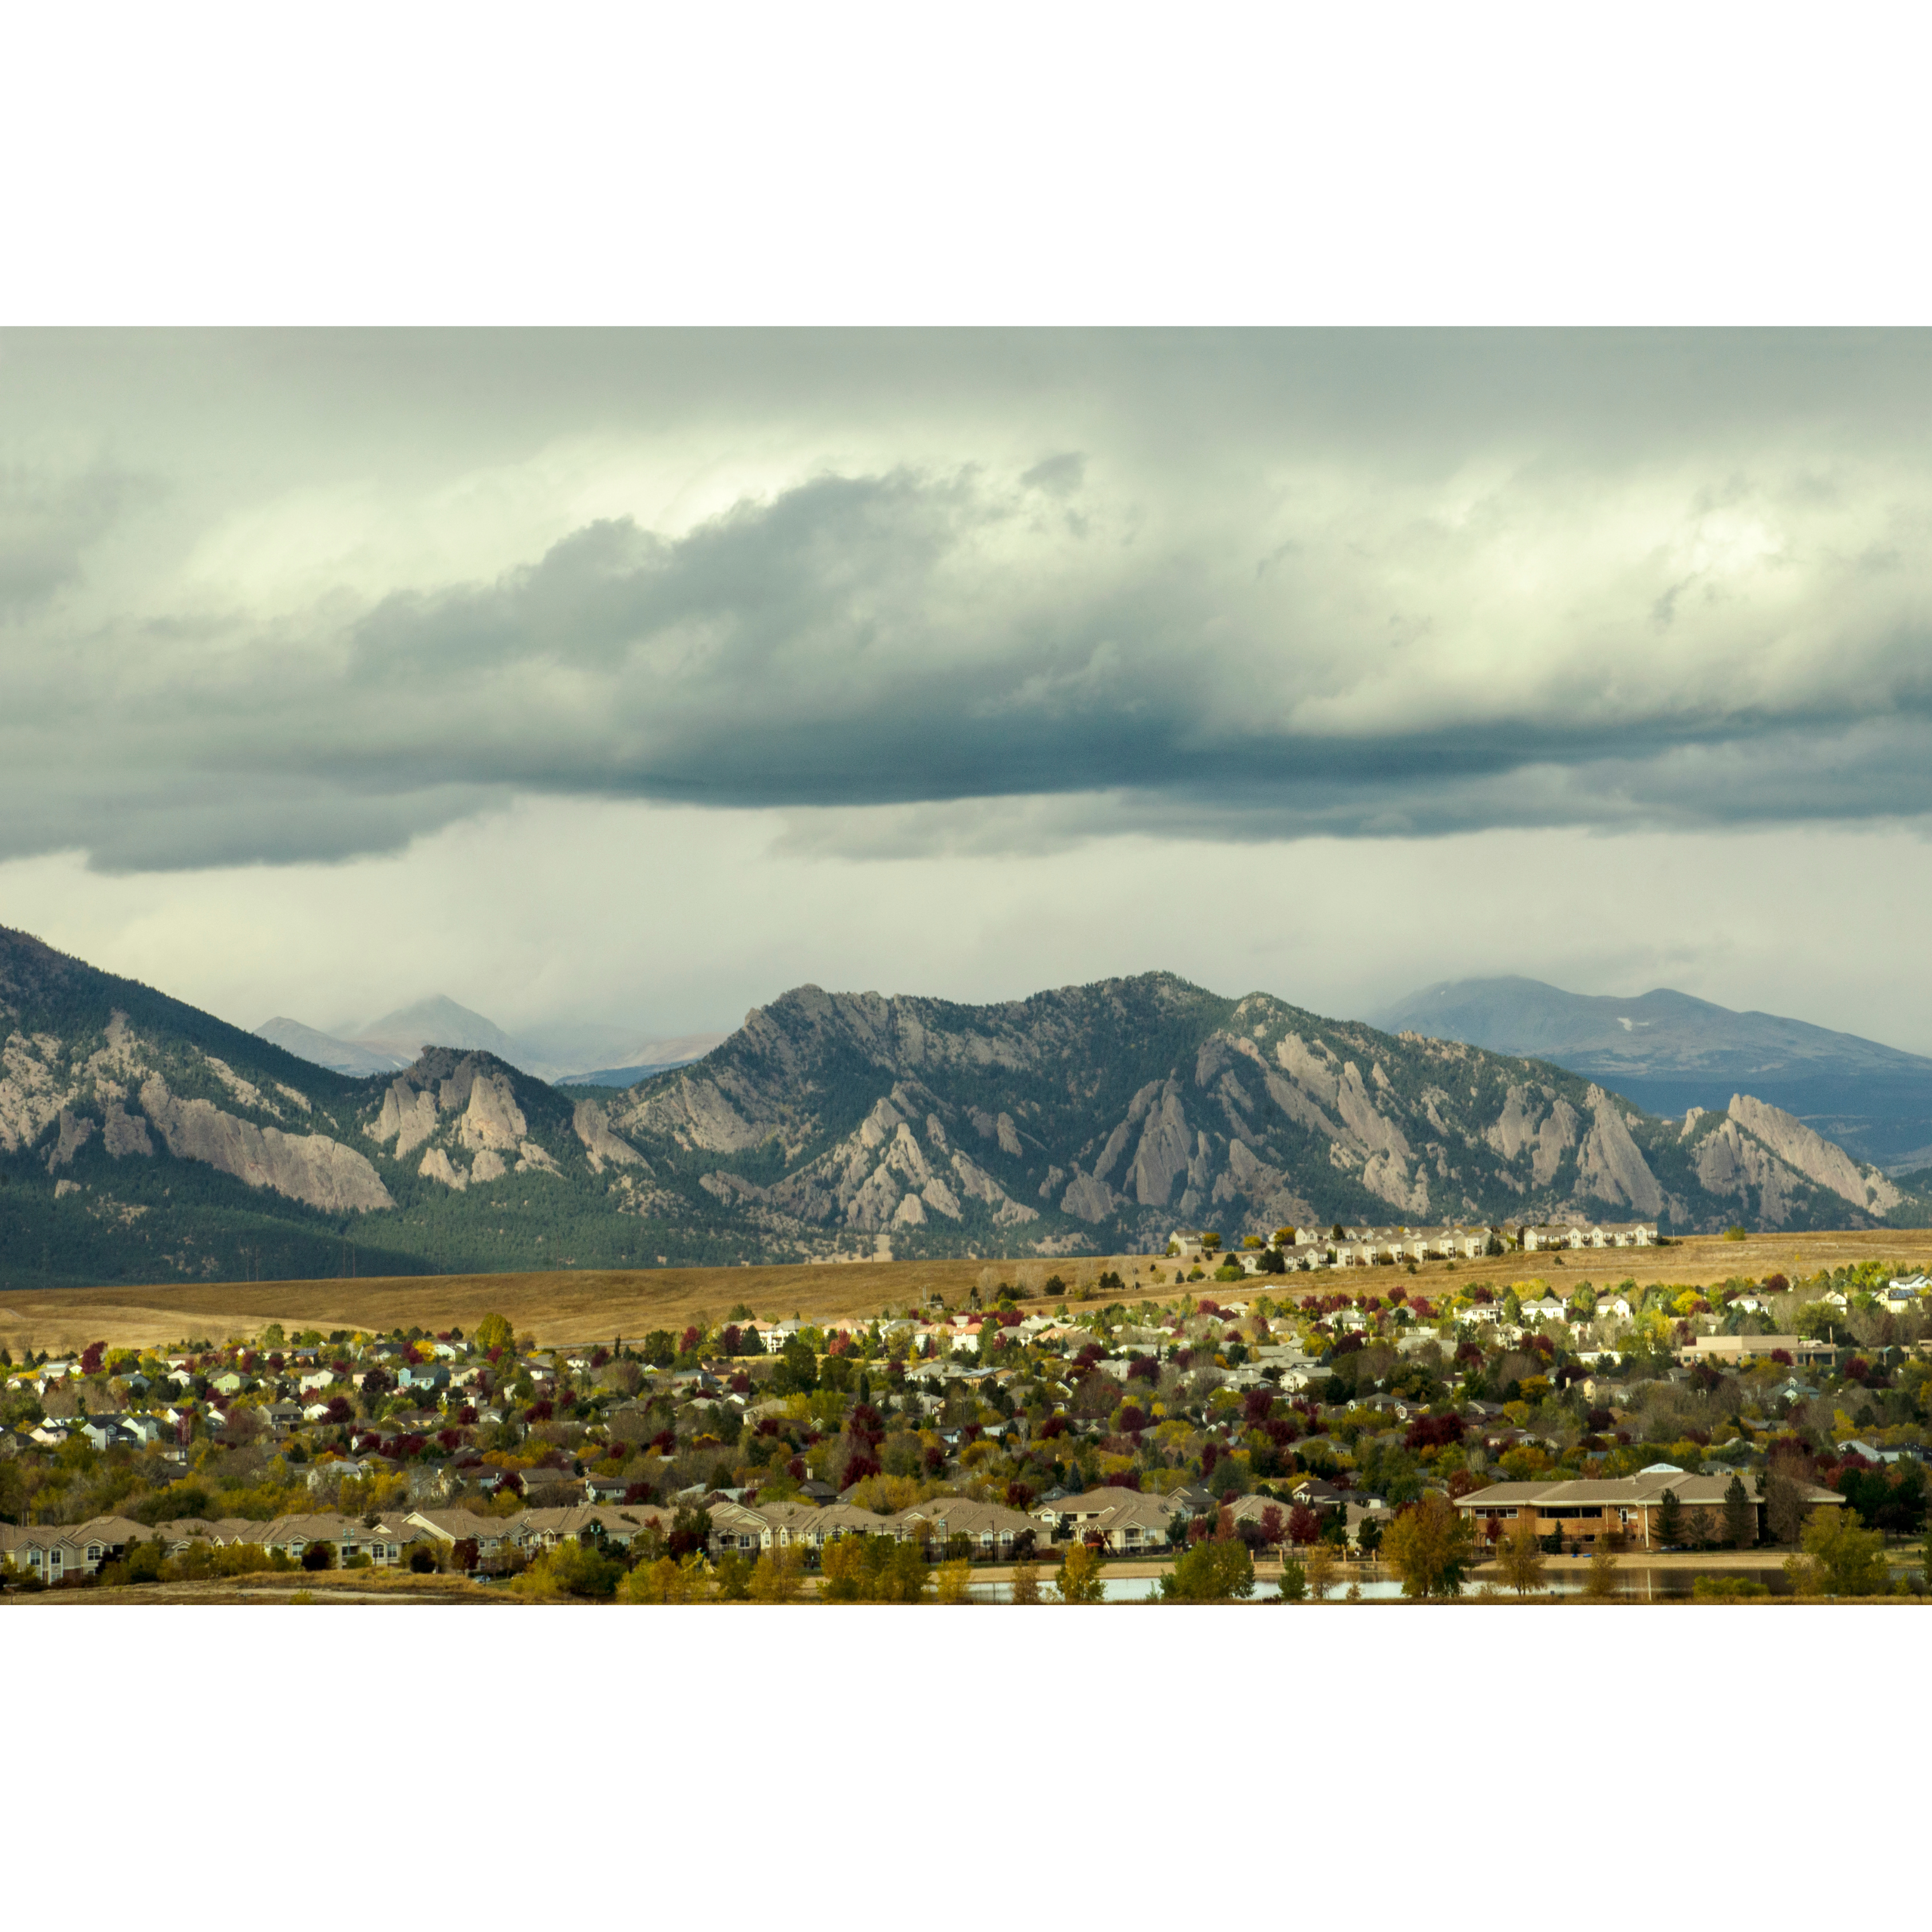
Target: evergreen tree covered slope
(142, 1140)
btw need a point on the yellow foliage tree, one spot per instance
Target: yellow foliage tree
(1080, 1580)
(777, 1576)
(1430, 1545)
(955, 1582)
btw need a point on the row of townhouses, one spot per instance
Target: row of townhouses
(1365, 1246)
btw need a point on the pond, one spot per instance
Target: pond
(1634, 1585)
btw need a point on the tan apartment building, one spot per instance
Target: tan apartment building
(1585, 1510)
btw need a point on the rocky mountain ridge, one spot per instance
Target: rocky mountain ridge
(1250, 1112)
(1669, 1051)
(140, 1138)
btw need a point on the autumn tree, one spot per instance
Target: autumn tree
(1520, 1557)
(1321, 1570)
(1026, 1583)
(1430, 1546)
(494, 1332)
(1080, 1580)
(955, 1582)
(1600, 1580)
(777, 1576)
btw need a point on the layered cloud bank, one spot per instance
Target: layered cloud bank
(286, 599)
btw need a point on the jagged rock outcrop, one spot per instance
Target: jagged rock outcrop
(1817, 1158)
(1610, 1166)
(310, 1168)
(590, 1121)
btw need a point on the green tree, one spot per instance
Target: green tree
(1740, 1515)
(797, 1371)
(1293, 1587)
(1430, 1546)
(494, 1331)
(1212, 1572)
(1669, 1526)
(572, 1569)
(1842, 1557)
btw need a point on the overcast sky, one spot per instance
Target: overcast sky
(636, 677)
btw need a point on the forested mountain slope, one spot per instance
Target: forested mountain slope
(141, 1139)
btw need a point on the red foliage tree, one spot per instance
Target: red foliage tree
(1304, 1525)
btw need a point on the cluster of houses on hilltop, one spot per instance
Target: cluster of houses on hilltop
(1364, 1247)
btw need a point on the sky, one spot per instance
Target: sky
(629, 678)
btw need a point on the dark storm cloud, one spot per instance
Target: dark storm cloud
(1231, 586)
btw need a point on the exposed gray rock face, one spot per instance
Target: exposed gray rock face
(310, 1168)
(437, 1165)
(493, 1119)
(31, 1092)
(1817, 1158)
(1166, 1146)
(1090, 1199)
(591, 1123)
(1610, 1166)
(1733, 1163)
(126, 1133)
(408, 1116)
(73, 1136)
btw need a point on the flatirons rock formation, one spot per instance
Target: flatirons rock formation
(142, 1140)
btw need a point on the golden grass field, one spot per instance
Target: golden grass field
(583, 1305)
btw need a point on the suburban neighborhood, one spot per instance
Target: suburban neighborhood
(1208, 1434)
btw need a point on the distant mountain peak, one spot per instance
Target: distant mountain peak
(1669, 1050)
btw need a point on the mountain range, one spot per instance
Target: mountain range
(1669, 1052)
(141, 1139)
(564, 1053)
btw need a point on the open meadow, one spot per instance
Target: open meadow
(584, 1304)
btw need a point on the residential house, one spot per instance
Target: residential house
(990, 1528)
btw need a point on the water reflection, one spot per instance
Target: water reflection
(1647, 1584)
